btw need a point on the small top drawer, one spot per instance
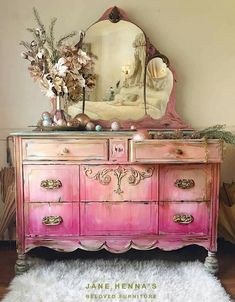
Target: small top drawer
(74, 149)
(175, 151)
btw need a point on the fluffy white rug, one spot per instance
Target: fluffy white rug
(121, 280)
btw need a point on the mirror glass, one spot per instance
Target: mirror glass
(159, 85)
(119, 66)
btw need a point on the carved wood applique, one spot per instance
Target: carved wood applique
(134, 177)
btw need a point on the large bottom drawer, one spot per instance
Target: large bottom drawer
(118, 218)
(184, 218)
(43, 219)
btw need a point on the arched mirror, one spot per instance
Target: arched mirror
(134, 82)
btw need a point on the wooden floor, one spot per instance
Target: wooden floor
(226, 256)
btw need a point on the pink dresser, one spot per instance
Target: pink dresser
(103, 190)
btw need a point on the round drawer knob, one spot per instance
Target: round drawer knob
(65, 150)
(179, 151)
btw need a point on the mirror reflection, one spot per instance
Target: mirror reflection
(119, 65)
(159, 84)
(120, 51)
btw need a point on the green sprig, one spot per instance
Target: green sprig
(218, 132)
(66, 37)
(38, 20)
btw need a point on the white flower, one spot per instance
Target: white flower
(60, 68)
(41, 54)
(83, 58)
(81, 80)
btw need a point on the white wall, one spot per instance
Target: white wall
(197, 36)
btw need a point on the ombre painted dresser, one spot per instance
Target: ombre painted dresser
(92, 190)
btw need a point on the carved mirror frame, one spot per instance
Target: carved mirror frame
(170, 120)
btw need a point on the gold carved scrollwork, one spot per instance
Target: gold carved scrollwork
(184, 183)
(183, 218)
(134, 176)
(51, 184)
(52, 220)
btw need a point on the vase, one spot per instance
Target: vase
(59, 114)
(53, 105)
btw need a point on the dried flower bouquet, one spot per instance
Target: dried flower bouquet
(61, 69)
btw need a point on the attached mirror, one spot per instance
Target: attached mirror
(120, 55)
(134, 83)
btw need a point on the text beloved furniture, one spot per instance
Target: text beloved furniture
(92, 191)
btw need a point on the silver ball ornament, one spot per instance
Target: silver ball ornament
(47, 123)
(90, 126)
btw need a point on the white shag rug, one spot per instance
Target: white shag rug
(116, 280)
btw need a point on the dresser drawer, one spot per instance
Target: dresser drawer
(118, 182)
(51, 183)
(184, 218)
(118, 218)
(185, 182)
(74, 149)
(42, 219)
(157, 151)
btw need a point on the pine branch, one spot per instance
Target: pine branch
(218, 132)
(38, 20)
(26, 45)
(213, 128)
(35, 36)
(50, 40)
(51, 29)
(65, 37)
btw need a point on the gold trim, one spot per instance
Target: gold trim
(52, 220)
(134, 176)
(183, 218)
(184, 183)
(51, 184)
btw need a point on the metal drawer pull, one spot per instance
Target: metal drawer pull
(183, 218)
(52, 220)
(184, 183)
(51, 184)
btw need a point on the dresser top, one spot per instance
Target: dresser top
(102, 133)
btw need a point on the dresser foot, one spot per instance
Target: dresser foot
(21, 265)
(211, 263)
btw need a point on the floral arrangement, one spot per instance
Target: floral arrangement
(61, 69)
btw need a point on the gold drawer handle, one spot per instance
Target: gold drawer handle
(52, 220)
(51, 184)
(184, 183)
(183, 218)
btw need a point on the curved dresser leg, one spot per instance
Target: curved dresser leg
(211, 263)
(21, 265)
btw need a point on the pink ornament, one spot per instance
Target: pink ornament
(141, 135)
(115, 126)
(61, 122)
(46, 115)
